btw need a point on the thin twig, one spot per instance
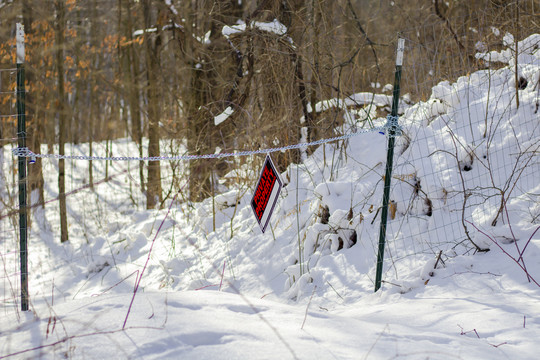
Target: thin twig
(67, 338)
(515, 242)
(438, 259)
(505, 252)
(222, 273)
(307, 307)
(148, 259)
(335, 290)
(118, 283)
(388, 282)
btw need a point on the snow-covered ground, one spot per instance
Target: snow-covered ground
(305, 288)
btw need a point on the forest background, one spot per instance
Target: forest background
(154, 70)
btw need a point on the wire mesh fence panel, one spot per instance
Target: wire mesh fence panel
(469, 153)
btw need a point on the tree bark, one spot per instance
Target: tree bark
(131, 74)
(152, 42)
(135, 104)
(61, 111)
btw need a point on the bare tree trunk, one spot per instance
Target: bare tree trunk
(78, 104)
(132, 81)
(95, 114)
(60, 108)
(153, 47)
(196, 98)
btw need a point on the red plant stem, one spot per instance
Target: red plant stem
(67, 338)
(515, 243)
(207, 286)
(148, 259)
(528, 241)
(504, 251)
(9, 253)
(10, 275)
(118, 283)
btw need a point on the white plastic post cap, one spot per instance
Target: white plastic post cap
(20, 43)
(400, 51)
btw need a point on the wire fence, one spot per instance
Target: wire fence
(26, 152)
(467, 152)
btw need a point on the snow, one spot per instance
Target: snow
(357, 99)
(234, 293)
(508, 39)
(274, 27)
(171, 7)
(528, 50)
(223, 116)
(142, 31)
(154, 29)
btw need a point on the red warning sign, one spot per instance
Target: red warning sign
(266, 193)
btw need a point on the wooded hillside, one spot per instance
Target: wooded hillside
(169, 69)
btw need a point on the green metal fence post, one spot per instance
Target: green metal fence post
(389, 162)
(21, 135)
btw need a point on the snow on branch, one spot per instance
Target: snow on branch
(528, 51)
(223, 116)
(154, 29)
(272, 27)
(358, 99)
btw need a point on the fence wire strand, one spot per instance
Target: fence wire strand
(26, 152)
